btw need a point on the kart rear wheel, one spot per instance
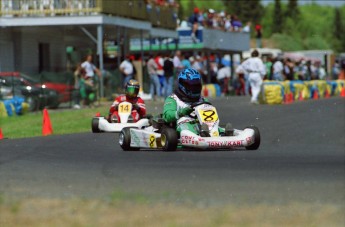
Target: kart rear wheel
(169, 139)
(94, 125)
(125, 140)
(256, 143)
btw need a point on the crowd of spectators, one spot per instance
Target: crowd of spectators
(217, 20)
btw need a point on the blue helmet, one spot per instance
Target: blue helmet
(189, 83)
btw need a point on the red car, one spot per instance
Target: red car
(64, 90)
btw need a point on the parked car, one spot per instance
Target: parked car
(37, 96)
(62, 82)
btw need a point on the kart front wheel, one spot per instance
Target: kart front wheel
(125, 140)
(169, 139)
(256, 143)
(94, 125)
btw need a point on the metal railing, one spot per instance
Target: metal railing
(159, 16)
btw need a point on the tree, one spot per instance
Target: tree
(339, 30)
(338, 26)
(249, 10)
(292, 9)
(277, 25)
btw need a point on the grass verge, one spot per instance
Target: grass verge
(79, 212)
(63, 121)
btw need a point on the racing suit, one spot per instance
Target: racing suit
(138, 107)
(172, 105)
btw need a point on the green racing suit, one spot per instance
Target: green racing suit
(172, 105)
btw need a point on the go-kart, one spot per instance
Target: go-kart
(160, 135)
(101, 124)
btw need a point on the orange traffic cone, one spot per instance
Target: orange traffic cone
(47, 127)
(291, 97)
(1, 135)
(205, 92)
(288, 98)
(342, 93)
(315, 95)
(327, 95)
(300, 98)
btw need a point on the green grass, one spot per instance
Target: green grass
(64, 121)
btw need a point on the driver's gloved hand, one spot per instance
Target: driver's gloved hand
(136, 107)
(184, 111)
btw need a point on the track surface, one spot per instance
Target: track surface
(301, 159)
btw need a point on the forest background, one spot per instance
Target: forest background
(287, 25)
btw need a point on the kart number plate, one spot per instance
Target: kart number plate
(125, 108)
(209, 115)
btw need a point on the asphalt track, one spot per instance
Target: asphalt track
(301, 159)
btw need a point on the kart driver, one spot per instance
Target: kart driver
(138, 106)
(179, 104)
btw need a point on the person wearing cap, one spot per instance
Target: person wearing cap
(194, 21)
(256, 71)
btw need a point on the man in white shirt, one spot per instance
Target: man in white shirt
(256, 71)
(126, 68)
(223, 77)
(278, 68)
(90, 69)
(177, 62)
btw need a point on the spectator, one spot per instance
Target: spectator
(76, 93)
(298, 70)
(90, 71)
(194, 22)
(227, 23)
(210, 18)
(154, 80)
(236, 24)
(168, 67)
(335, 70)
(258, 30)
(256, 70)
(185, 61)
(241, 82)
(247, 27)
(288, 69)
(160, 72)
(177, 62)
(223, 78)
(278, 68)
(213, 71)
(308, 70)
(126, 68)
(198, 65)
(268, 64)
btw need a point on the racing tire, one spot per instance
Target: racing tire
(169, 139)
(125, 140)
(94, 125)
(257, 139)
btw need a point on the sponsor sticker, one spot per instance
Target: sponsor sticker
(237, 143)
(189, 140)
